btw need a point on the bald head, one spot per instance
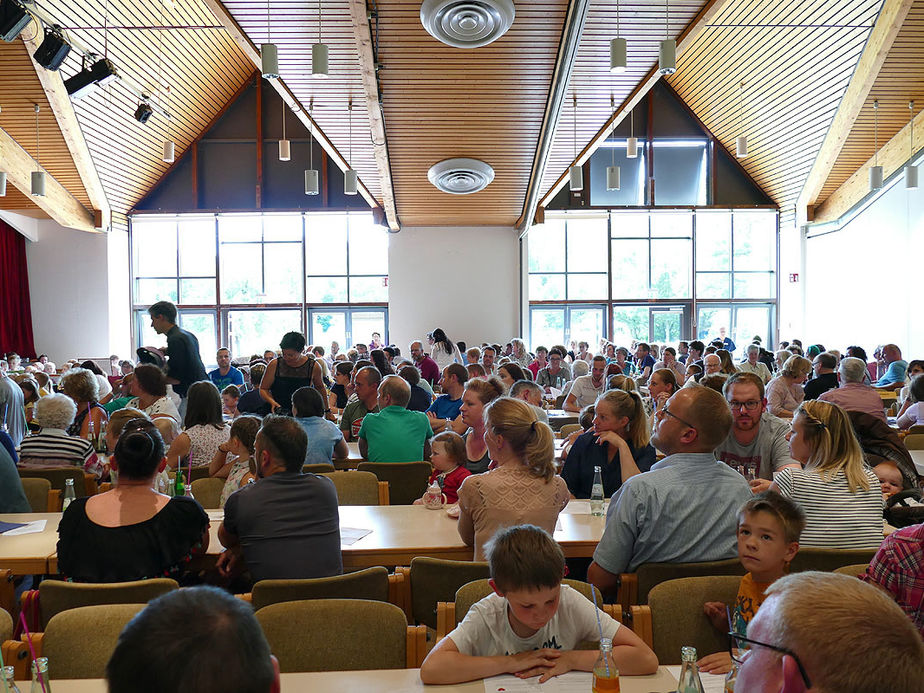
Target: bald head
(697, 420)
(394, 391)
(712, 364)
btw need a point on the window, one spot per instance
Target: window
(568, 260)
(246, 279)
(551, 325)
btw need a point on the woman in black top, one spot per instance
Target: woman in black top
(294, 369)
(131, 532)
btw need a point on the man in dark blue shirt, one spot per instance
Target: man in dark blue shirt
(225, 374)
(184, 364)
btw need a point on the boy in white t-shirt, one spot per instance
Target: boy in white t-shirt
(532, 623)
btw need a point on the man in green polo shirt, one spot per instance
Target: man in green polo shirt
(395, 434)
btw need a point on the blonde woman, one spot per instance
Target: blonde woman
(840, 496)
(617, 443)
(523, 488)
(784, 392)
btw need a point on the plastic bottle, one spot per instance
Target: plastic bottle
(40, 682)
(69, 494)
(9, 673)
(689, 681)
(596, 493)
(606, 675)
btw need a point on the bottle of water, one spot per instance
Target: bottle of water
(689, 681)
(596, 493)
(40, 682)
(9, 675)
(69, 494)
(606, 675)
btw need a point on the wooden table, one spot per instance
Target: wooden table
(382, 681)
(917, 456)
(560, 417)
(27, 554)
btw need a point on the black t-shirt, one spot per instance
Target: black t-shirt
(817, 386)
(341, 395)
(420, 399)
(252, 403)
(183, 360)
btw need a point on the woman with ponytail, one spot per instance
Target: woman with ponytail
(131, 532)
(617, 443)
(523, 488)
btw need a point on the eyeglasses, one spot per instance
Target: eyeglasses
(667, 412)
(750, 405)
(738, 647)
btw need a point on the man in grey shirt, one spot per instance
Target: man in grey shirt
(757, 441)
(287, 524)
(685, 509)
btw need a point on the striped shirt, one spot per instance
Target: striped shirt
(54, 448)
(835, 518)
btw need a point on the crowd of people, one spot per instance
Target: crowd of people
(703, 454)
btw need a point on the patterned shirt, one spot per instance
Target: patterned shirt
(898, 568)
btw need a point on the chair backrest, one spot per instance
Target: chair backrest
(197, 473)
(318, 468)
(56, 596)
(79, 642)
(37, 494)
(436, 580)
(916, 429)
(827, 560)
(677, 617)
(914, 441)
(208, 491)
(355, 488)
(479, 589)
(6, 625)
(407, 481)
(370, 583)
(855, 570)
(653, 574)
(56, 476)
(568, 429)
(335, 635)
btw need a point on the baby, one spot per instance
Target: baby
(890, 478)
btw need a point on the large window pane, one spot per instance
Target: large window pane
(670, 268)
(756, 285)
(586, 325)
(629, 322)
(667, 325)
(755, 241)
(197, 291)
(547, 326)
(750, 321)
(713, 285)
(630, 269)
(148, 291)
(587, 245)
(680, 172)
(586, 287)
(203, 326)
(632, 175)
(240, 229)
(547, 247)
(282, 227)
(326, 244)
(327, 327)
(242, 273)
(629, 225)
(671, 225)
(713, 241)
(368, 246)
(546, 287)
(283, 278)
(364, 323)
(327, 290)
(368, 290)
(710, 319)
(197, 247)
(154, 246)
(145, 333)
(255, 331)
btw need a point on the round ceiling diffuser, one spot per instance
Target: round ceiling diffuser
(460, 176)
(466, 23)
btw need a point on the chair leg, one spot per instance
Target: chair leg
(445, 619)
(627, 592)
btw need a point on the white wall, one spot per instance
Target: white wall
(463, 279)
(78, 286)
(863, 281)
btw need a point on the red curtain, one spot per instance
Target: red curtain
(15, 309)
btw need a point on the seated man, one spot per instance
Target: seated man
(287, 524)
(684, 509)
(824, 377)
(225, 374)
(366, 388)
(586, 388)
(216, 633)
(829, 632)
(853, 394)
(530, 393)
(896, 368)
(445, 409)
(395, 434)
(898, 568)
(754, 365)
(644, 362)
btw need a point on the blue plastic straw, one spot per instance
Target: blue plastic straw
(593, 593)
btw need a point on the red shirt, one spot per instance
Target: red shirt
(534, 368)
(898, 567)
(429, 371)
(450, 482)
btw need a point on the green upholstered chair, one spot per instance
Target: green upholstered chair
(407, 481)
(208, 491)
(56, 596)
(854, 570)
(359, 488)
(370, 583)
(38, 494)
(434, 580)
(634, 587)
(318, 468)
(78, 642)
(828, 560)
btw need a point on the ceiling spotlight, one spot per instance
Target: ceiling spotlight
(53, 50)
(143, 112)
(99, 74)
(13, 19)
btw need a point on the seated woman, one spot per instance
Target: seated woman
(661, 385)
(913, 413)
(617, 443)
(325, 439)
(478, 393)
(509, 373)
(669, 360)
(728, 366)
(105, 388)
(523, 488)
(784, 392)
(82, 386)
(131, 532)
(341, 390)
(204, 429)
(148, 386)
(53, 447)
(841, 497)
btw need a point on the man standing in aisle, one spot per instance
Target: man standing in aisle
(429, 371)
(184, 364)
(225, 374)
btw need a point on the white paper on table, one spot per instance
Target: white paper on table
(29, 528)
(215, 515)
(350, 535)
(580, 507)
(572, 682)
(554, 392)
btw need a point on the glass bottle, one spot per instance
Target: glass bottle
(606, 675)
(69, 494)
(689, 673)
(101, 445)
(596, 493)
(731, 677)
(179, 486)
(187, 490)
(9, 674)
(40, 682)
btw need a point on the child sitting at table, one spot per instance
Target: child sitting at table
(532, 623)
(769, 527)
(447, 455)
(890, 478)
(240, 445)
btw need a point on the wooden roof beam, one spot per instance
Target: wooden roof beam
(221, 14)
(687, 37)
(367, 65)
(888, 23)
(57, 201)
(855, 189)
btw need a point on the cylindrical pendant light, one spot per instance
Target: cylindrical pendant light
(741, 146)
(312, 179)
(612, 178)
(617, 55)
(285, 148)
(875, 171)
(741, 143)
(875, 177)
(911, 172)
(2, 183)
(269, 60)
(169, 154)
(667, 53)
(576, 178)
(319, 54)
(38, 177)
(350, 177)
(632, 141)
(311, 182)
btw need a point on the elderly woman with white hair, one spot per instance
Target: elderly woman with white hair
(81, 386)
(753, 365)
(53, 447)
(785, 393)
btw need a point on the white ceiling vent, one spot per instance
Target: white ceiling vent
(466, 23)
(460, 176)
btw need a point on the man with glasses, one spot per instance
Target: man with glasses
(756, 445)
(828, 632)
(824, 376)
(685, 509)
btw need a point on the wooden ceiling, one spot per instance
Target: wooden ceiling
(20, 90)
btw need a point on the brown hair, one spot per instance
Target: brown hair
(151, 379)
(245, 429)
(120, 417)
(530, 439)
(668, 376)
(787, 512)
(709, 413)
(524, 557)
(744, 378)
(628, 404)
(487, 389)
(455, 445)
